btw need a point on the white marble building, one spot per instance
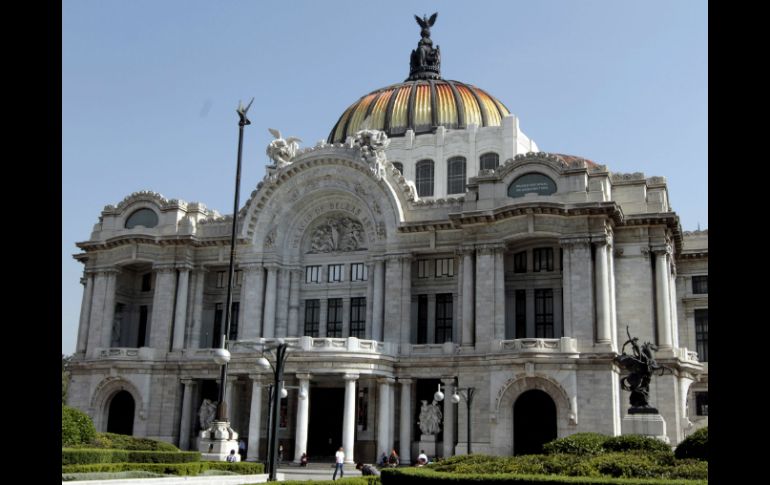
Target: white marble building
(458, 254)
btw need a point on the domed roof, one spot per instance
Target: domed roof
(420, 105)
(423, 102)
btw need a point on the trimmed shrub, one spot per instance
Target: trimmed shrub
(83, 456)
(343, 481)
(577, 444)
(695, 446)
(68, 477)
(76, 427)
(182, 469)
(239, 467)
(631, 442)
(125, 442)
(421, 476)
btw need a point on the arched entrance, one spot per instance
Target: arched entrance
(534, 422)
(120, 419)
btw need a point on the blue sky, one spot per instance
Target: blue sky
(149, 90)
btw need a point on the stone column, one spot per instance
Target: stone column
(270, 296)
(392, 414)
(109, 308)
(685, 380)
(566, 309)
(369, 300)
(603, 329)
(406, 421)
(180, 314)
(303, 416)
(613, 303)
(282, 304)
(294, 303)
(449, 416)
(323, 313)
(349, 418)
(345, 317)
(394, 292)
(468, 302)
(499, 292)
(378, 304)
(85, 312)
(383, 411)
(485, 294)
(199, 275)
(251, 301)
(674, 314)
(406, 299)
(230, 399)
(255, 419)
(529, 302)
(662, 299)
(187, 412)
(578, 290)
(162, 307)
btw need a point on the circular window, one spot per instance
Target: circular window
(142, 217)
(531, 183)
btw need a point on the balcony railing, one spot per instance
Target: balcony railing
(321, 344)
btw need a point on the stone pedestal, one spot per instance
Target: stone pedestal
(652, 425)
(428, 443)
(216, 442)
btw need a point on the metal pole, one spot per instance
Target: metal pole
(268, 432)
(280, 358)
(468, 402)
(222, 407)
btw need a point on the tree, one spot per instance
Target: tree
(65, 376)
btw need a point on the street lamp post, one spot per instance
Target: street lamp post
(277, 392)
(467, 394)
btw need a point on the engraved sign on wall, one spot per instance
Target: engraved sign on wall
(531, 183)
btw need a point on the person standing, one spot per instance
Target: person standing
(339, 462)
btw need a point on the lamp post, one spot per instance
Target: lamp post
(467, 394)
(222, 355)
(275, 401)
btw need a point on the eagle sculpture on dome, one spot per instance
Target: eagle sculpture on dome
(425, 61)
(426, 23)
(282, 151)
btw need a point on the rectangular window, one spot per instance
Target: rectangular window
(702, 403)
(702, 334)
(235, 308)
(312, 317)
(443, 318)
(363, 405)
(542, 259)
(423, 268)
(544, 313)
(334, 318)
(358, 317)
(312, 274)
(146, 282)
(455, 182)
(221, 279)
(700, 284)
(521, 314)
(422, 319)
(358, 272)
(143, 313)
(445, 267)
(335, 272)
(216, 340)
(284, 420)
(520, 262)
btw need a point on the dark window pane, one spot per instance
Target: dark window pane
(542, 259)
(334, 318)
(544, 313)
(357, 317)
(235, 308)
(702, 334)
(521, 314)
(456, 175)
(702, 403)
(520, 262)
(700, 284)
(443, 318)
(422, 319)
(312, 315)
(424, 178)
(142, 217)
(146, 282)
(489, 161)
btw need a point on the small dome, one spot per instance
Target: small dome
(420, 105)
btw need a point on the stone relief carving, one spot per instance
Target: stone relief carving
(430, 418)
(281, 150)
(270, 239)
(372, 144)
(337, 234)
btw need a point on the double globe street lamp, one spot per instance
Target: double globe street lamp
(464, 393)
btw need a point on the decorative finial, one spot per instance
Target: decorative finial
(425, 62)
(242, 113)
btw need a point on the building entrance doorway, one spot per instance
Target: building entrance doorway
(534, 422)
(120, 419)
(324, 436)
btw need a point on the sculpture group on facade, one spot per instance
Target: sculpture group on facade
(641, 366)
(430, 418)
(281, 150)
(337, 234)
(206, 413)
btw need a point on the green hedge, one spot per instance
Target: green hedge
(84, 456)
(76, 427)
(183, 469)
(695, 446)
(632, 442)
(115, 441)
(342, 481)
(577, 444)
(417, 476)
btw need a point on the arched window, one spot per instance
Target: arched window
(142, 217)
(399, 166)
(455, 179)
(425, 178)
(490, 161)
